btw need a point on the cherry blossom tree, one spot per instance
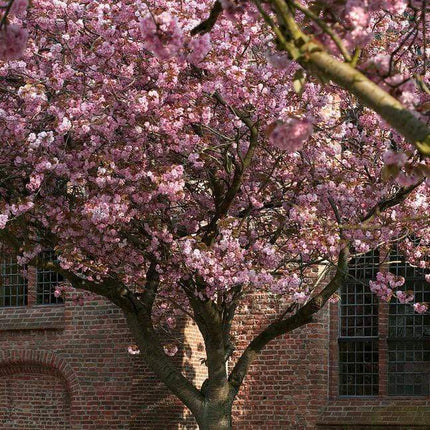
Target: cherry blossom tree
(182, 156)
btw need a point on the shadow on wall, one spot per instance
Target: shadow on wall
(153, 406)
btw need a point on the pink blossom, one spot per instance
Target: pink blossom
(60, 290)
(13, 40)
(171, 322)
(395, 7)
(406, 180)
(278, 60)
(170, 350)
(200, 46)
(334, 298)
(427, 277)
(384, 285)
(133, 350)
(3, 220)
(356, 12)
(300, 297)
(395, 158)
(404, 297)
(420, 307)
(166, 39)
(19, 7)
(291, 135)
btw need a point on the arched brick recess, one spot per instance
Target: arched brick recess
(45, 365)
(33, 397)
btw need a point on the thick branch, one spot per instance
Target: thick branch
(303, 316)
(209, 320)
(138, 315)
(159, 363)
(372, 96)
(313, 57)
(139, 320)
(207, 25)
(326, 28)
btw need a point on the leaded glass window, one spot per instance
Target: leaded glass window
(46, 282)
(358, 334)
(13, 291)
(408, 335)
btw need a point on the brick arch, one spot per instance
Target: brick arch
(45, 362)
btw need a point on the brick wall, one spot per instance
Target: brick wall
(154, 407)
(84, 346)
(67, 366)
(32, 398)
(287, 386)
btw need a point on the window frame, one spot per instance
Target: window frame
(35, 291)
(383, 341)
(19, 283)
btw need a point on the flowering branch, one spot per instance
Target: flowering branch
(303, 316)
(207, 25)
(314, 58)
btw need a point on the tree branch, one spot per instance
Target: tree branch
(313, 57)
(225, 203)
(139, 319)
(207, 25)
(326, 28)
(138, 314)
(303, 316)
(372, 96)
(210, 323)
(382, 205)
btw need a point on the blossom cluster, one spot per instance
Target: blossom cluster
(291, 135)
(126, 140)
(386, 286)
(13, 37)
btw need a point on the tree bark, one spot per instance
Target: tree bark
(217, 423)
(217, 416)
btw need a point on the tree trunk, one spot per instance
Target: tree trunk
(217, 417)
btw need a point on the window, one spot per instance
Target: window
(13, 290)
(395, 347)
(358, 340)
(408, 335)
(46, 281)
(14, 287)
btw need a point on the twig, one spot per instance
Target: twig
(326, 28)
